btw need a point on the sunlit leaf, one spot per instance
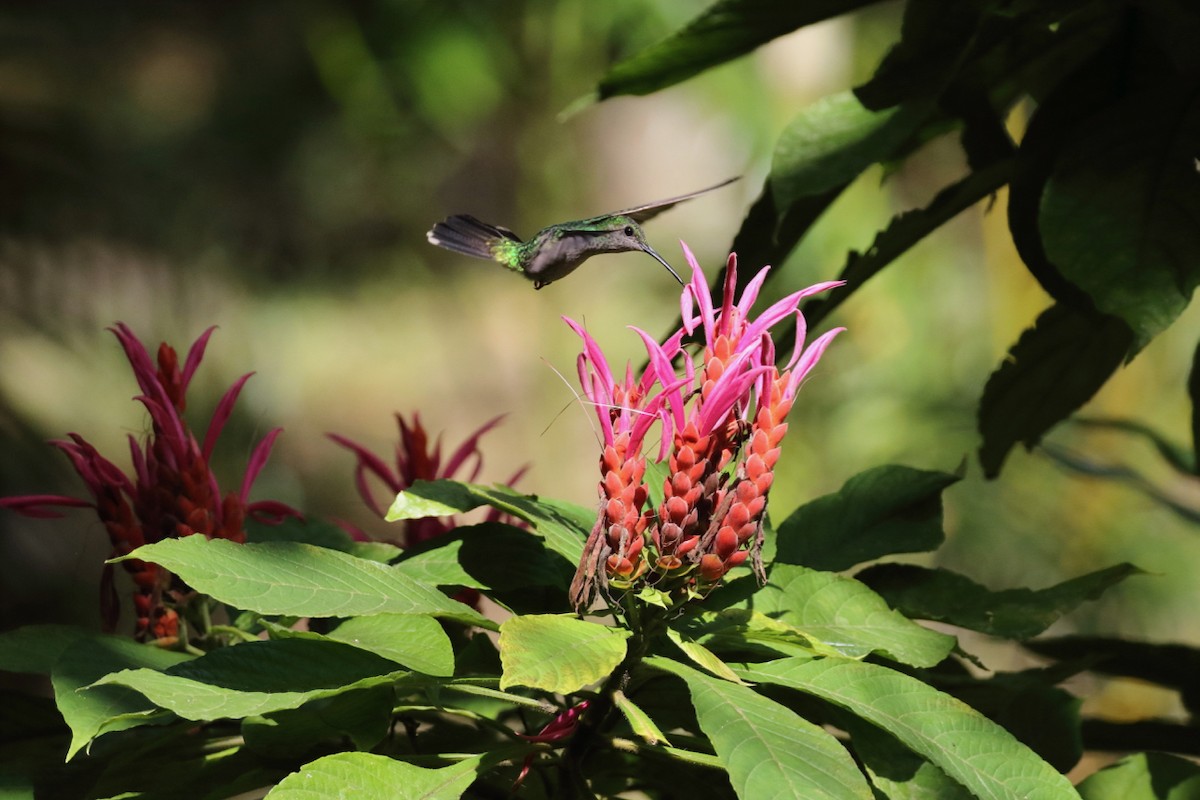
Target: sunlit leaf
(558, 653)
(366, 776)
(702, 656)
(966, 745)
(767, 749)
(1144, 776)
(299, 580)
(848, 617)
(639, 720)
(417, 641)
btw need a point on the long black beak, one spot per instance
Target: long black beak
(648, 250)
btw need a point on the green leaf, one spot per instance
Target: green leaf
(415, 641)
(639, 720)
(564, 526)
(1119, 213)
(558, 653)
(35, 648)
(885, 510)
(1054, 368)
(366, 776)
(1144, 776)
(300, 580)
(702, 656)
(724, 31)
(897, 772)
(848, 617)
(258, 678)
(767, 749)
(832, 141)
(966, 745)
(741, 630)
(945, 596)
(96, 711)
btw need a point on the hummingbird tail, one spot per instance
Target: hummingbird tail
(464, 234)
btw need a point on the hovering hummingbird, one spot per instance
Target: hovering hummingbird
(556, 251)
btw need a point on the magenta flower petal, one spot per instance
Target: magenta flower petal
(221, 415)
(34, 505)
(194, 356)
(258, 460)
(809, 360)
(750, 293)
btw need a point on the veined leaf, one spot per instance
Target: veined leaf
(355, 776)
(558, 653)
(257, 678)
(300, 580)
(702, 656)
(414, 640)
(639, 720)
(966, 745)
(768, 750)
(847, 616)
(725, 30)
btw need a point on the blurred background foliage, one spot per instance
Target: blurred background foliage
(272, 168)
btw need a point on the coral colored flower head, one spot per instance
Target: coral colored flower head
(171, 491)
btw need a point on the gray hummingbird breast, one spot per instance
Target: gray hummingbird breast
(557, 257)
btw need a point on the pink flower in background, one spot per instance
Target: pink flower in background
(416, 459)
(171, 491)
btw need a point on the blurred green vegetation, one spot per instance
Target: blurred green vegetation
(272, 167)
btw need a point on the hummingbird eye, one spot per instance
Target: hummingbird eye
(629, 230)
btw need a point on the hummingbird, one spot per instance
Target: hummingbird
(556, 251)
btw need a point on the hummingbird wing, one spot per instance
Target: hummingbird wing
(642, 213)
(465, 234)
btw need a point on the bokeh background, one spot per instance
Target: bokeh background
(272, 167)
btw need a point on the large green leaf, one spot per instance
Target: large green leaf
(366, 776)
(725, 30)
(1054, 368)
(945, 596)
(848, 616)
(364, 716)
(35, 648)
(558, 653)
(768, 750)
(896, 772)
(416, 641)
(963, 743)
(1119, 212)
(95, 711)
(319, 532)
(564, 526)
(300, 580)
(1144, 776)
(257, 678)
(885, 510)
(490, 555)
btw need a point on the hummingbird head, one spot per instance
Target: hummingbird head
(622, 234)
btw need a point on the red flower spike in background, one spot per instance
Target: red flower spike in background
(417, 460)
(720, 439)
(171, 492)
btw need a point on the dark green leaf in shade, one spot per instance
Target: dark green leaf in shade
(93, 711)
(490, 555)
(883, 511)
(938, 594)
(35, 648)
(258, 677)
(845, 615)
(1178, 458)
(934, 40)
(364, 716)
(767, 749)
(963, 743)
(300, 580)
(1120, 214)
(564, 526)
(1053, 369)
(558, 653)
(1144, 776)
(1194, 395)
(349, 776)
(725, 30)
(904, 231)
(1175, 666)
